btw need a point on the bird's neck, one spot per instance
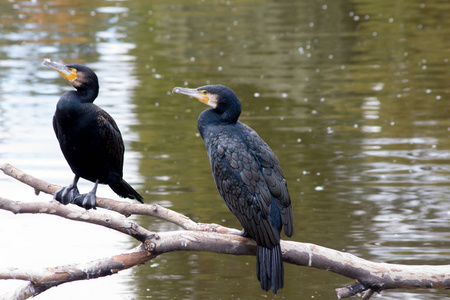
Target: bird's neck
(87, 96)
(210, 117)
(70, 101)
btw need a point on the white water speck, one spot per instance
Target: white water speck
(378, 86)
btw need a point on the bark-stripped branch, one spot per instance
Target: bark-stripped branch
(370, 276)
(41, 280)
(122, 207)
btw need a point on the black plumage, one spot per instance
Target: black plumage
(89, 138)
(248, 177)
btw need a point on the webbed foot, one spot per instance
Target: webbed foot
(67, 194)
(87, 201)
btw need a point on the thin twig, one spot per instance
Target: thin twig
(367, 294)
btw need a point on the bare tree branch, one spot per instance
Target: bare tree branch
(42, 280)
(77, 214)
(370, 276)
(122, 207)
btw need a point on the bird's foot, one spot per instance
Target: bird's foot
(67, 194)
(87, 201)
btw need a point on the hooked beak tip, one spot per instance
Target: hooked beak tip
(176, 90)
(46, 61)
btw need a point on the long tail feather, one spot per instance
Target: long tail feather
(123, 189)
(269, 268)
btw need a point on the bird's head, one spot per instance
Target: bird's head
(221, 98)
(79, 76)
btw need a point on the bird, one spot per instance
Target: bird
(89, 138)
(248, 177)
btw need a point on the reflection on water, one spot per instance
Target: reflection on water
(351, 96)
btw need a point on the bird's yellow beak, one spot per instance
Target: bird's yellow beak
(68, 73)
(202, 96)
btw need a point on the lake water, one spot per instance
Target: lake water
(352, 96)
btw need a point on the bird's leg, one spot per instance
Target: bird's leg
(66, 195)
(87, 201)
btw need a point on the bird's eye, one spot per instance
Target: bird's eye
(204, 92)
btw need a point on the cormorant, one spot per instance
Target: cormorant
(89, 138)
(248, 177)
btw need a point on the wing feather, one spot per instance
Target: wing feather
(110, 137)
(248, 177)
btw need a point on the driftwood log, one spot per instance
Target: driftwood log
(370, 277)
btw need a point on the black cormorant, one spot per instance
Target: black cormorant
(89, 138)
(248, 176)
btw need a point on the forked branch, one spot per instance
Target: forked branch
(370, 276)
